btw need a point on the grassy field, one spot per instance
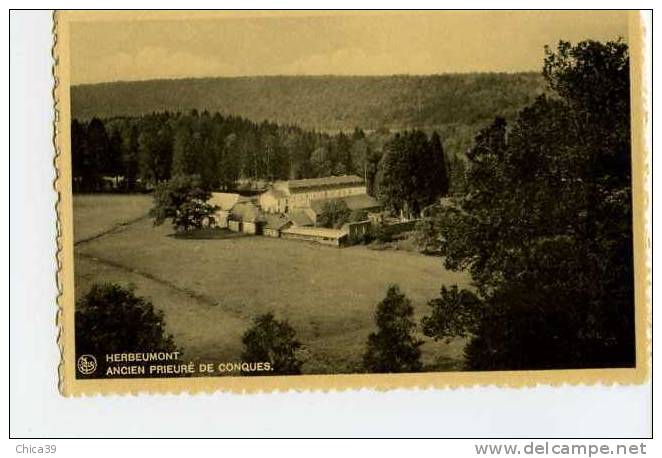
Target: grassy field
(95, 214)
(210, 290)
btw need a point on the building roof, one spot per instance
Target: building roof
(358, 202)
(276, 193)
(361, 202)
(316, 232)
(246, 212)
(323, 182)
(226, 200)
(300, 218)
(276, 221)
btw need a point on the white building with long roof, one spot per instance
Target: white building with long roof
(292, 194)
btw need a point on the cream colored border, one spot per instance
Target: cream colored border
(70, 386)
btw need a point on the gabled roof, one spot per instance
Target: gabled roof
(361, 202)
(300, 218)
(276, 221)
(343, 180)
(358, 202)
(276, 193)
(226, 200)
(246, 212)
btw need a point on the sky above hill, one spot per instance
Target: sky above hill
(316, 43)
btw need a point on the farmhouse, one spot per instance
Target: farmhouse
(291, 209)
(287, 195)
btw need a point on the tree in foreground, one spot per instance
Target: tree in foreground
(393, 348)
(545, 226)
(273, 341)
(184, 201)
(112, 319)
(455, 313)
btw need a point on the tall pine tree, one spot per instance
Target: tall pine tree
(393, 348)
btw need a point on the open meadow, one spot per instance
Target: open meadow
(95, 214)
(210, 290)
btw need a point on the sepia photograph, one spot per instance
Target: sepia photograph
(251, 195)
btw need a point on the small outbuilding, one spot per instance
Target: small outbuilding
(275, 224)
(246, 217)
(333, 237)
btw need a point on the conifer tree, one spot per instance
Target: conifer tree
(393, 348)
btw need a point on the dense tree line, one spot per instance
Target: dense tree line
(545, 226)
(409, 168)
(220, 150)
(456, 106)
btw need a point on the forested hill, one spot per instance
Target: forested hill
(322, 102)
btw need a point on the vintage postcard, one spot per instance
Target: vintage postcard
(273, 200)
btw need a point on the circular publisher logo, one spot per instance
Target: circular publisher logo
(87, 364)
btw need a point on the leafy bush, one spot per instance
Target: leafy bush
(112, 319)
(456, 313)
(334, 213)
(428, 231)
(358, 215)
(382, 235)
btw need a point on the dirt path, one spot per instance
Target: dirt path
(116, 228)
(199, 297)
(204, 299)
